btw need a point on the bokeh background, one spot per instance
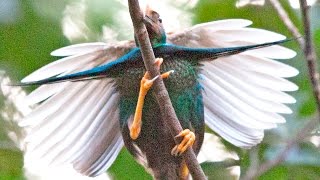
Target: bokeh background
(31, 29)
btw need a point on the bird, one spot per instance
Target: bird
(98, 97)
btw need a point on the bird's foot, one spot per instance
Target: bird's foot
(145, 85)
(188, 140)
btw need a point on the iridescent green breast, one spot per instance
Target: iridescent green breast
(182, 85)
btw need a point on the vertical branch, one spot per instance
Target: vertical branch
(304, 43)
(162, 95)
(309, 53)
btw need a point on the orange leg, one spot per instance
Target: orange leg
(145, 85)
(144, 88)
(188, 140)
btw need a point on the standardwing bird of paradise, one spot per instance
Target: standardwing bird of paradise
(99, 97)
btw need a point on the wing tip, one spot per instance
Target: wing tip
(74, 49)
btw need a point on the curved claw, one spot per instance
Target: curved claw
(158, 62)
(188, 140)
(147, 84)
(166, 74)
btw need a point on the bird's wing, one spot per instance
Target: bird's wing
(244, 93)
(75, 122)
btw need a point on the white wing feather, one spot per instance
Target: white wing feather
(83, 48)
(243, 94)
(75, 122)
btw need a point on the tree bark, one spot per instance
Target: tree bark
(160, 91)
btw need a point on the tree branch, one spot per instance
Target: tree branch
(310, 54)
(304, 43)
(287, 21)
(160, 91)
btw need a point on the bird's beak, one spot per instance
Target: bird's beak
(148, 21)
(148, 18)
(151, 25)
(151, 19)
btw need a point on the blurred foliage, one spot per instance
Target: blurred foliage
(32, 29)
(294, 172)
(10, 165)
(126, 168)
(219, 170)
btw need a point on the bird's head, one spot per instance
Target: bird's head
(154, 27)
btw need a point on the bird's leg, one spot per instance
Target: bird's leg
(187, 141)
(145, 85)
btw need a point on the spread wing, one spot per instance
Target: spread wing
(243, 94)
(75, 122)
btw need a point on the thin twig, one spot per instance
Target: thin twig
(160, 91)
(287, 21)
(254, 163)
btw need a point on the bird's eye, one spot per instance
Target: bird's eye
(160, 20)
